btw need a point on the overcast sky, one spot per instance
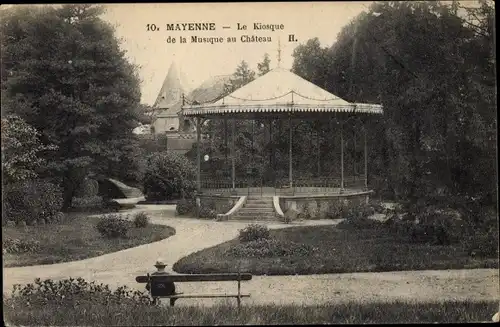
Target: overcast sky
(200, 61)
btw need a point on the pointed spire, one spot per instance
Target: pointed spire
(171, 90)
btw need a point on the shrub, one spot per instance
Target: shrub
(141, 220)
(335, 210)
(76, 292)
(16, 246)
(359, 223)
(168, 175)
(270, 248)
(482, 241)
(88, 204)
(31, 200)
(308, 212)
(113, 226)
(429, 233)
(350, 210)
(185, 206)
(207, 212)
(254, 232)
(88, 188)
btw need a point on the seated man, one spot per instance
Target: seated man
(162, 288)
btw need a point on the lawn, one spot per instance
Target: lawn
(334, 250)
(71, 314)
(76, 238)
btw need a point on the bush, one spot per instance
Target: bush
(350, 210)
(31, 200)
(482, 241)
(207, 212)
(88, 204)
(335, 210)
(185, 206)
(262, 248)
(429, 233)
(16, 246)
(76, 292)
(88, 188)
(141, 220)
(359, 223)
(254, 232)
(113, 226)
(168, 175)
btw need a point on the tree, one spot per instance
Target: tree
(263, 66)
(64, 73)
(242, 76)
(438, 129)
(168, 175)
(21, 150)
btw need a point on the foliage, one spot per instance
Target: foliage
(353, 312)
(242, 76)
(207, 212)
(185, 206)
(264, 247)
(16, 246)
(141, 220)
(76, 292)
(31, 200)
(350, 210)
(168, 175)
(21, 150)
(263, 67)
(359, 223)
(438, 130)
(113, 226)
(63, 72)
(88, 188)
(254, 232)
(88, 204)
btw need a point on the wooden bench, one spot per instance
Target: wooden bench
(158, 288)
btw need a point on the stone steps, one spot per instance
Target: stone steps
(256, 208)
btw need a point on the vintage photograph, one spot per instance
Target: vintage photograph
(277, 163)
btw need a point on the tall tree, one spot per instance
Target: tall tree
(438, 129)
(21, 150)
(242, 76)
(67, 77)
(263, 66)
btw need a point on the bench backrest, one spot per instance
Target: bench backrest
(194, 278)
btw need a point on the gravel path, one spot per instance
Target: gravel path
(120, 268)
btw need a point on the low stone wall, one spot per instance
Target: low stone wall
(221, 203)
(320, 204)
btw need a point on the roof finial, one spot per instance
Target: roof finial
(279, 52)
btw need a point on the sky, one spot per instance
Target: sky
(198, 62)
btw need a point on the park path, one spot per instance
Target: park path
(121, 268)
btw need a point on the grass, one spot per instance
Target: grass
(337, 251)
(71, 314)
(76, 238)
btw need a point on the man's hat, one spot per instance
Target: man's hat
(160, 263)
